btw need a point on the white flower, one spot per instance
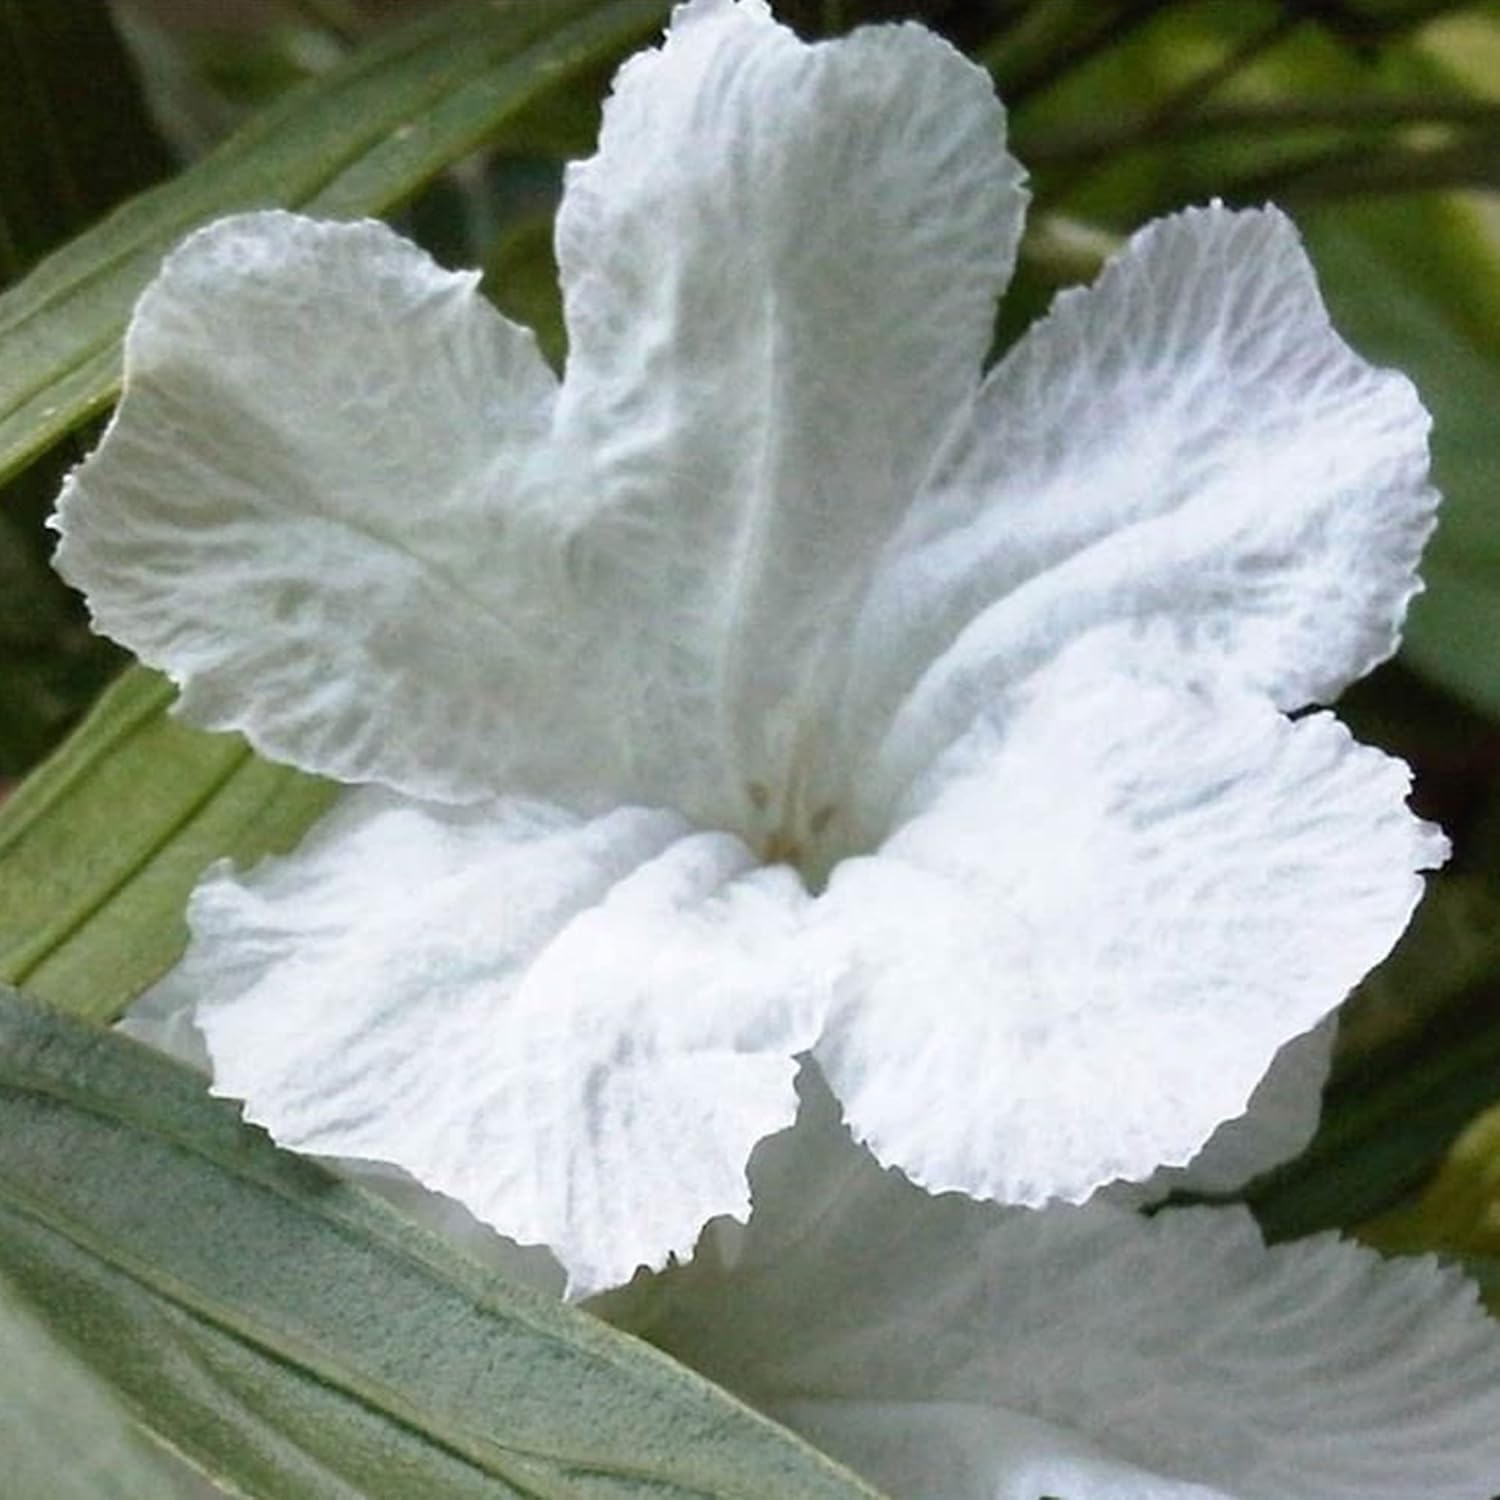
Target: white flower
(951, 1350)
(774, 684)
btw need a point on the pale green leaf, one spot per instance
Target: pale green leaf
(101, 846)
(293, 1336)
(62, 1434)
(353, 141)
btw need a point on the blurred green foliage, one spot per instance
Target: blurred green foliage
(1377, 122)
(75, 139)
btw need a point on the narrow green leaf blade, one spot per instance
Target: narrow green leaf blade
(101, 846)
(296, 1338)
(353, 141)
(75, 137)
(62, 1435)
(75, 140)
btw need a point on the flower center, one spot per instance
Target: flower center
(786, 835)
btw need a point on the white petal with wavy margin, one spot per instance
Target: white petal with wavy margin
(320, 507)
(578, 1029)
(1187, 441)
(1280, 1119)
(1099, 918)
(163, 1018)
(955, 1351)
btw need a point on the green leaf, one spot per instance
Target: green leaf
(293, 1336)
(101, 846)
(62, 1434)
(520, 278)
(74, 141)
(1484, 1271)
(1458, 1211)
(1417, 285)
(1388, 1120)
(353, 141)
(74, 134)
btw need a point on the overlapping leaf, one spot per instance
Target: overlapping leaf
(297, 1339)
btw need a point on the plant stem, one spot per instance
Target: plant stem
(1019, 82)
(1469, 163)
(1350, 171)
(1188, 100)
(1143, 132)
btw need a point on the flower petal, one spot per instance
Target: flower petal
(578, 1029)
(957, 1450)
(780, 273)
(955, 1351)
(1110, 906)
(307, 510)
(163, 1018)
(1279, 1123)
(1186, 441)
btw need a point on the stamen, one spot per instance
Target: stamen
(782, 849)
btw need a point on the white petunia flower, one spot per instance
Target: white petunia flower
(952, 1350)
(776, 683)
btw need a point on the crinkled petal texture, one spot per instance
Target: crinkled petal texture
(298, 510)
(774, 556)
(577, 1028)
(955, 1351)
(1279, 1123)
(1110, 879)
(780, 273)
(1185, 443)
(1100, 916)
(345, 506)
(163, 1018)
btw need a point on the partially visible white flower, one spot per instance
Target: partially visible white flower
(951, 1350)
(775, 683)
